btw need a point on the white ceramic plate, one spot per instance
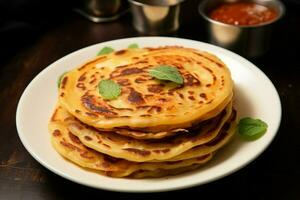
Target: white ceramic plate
(255, 97)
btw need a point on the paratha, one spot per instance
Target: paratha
(131, 149)
(144, 100)
(224, 136)
(70, 147)
(154, 128)
(143, 134)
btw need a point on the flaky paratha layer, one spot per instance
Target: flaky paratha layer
(70, 147)
(119, 146)
(146, 101)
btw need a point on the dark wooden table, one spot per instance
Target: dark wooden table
(274, 175)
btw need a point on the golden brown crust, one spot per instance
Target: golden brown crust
(145, 101)
(148, 150)
(70, 147)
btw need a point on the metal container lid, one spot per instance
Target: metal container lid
(156, 2)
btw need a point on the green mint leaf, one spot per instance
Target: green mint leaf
(105, 50)
(166, 72)
(133, 46)
(252, 129)
(60, 79)
(109, 90)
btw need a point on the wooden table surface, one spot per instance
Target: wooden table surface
(274, 175)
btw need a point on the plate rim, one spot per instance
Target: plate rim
(226, 52)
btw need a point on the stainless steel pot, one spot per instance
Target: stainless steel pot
(247, 40)
(155, 17)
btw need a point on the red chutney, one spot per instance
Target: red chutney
(243, 13)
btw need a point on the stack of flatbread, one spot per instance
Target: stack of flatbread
(154, 127)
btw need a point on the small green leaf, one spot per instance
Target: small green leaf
(60, 79)
(105, 50)
(109, 90)
(166, 72)
(252, 129)
(133, 46)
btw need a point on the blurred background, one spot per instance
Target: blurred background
(23, 21)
